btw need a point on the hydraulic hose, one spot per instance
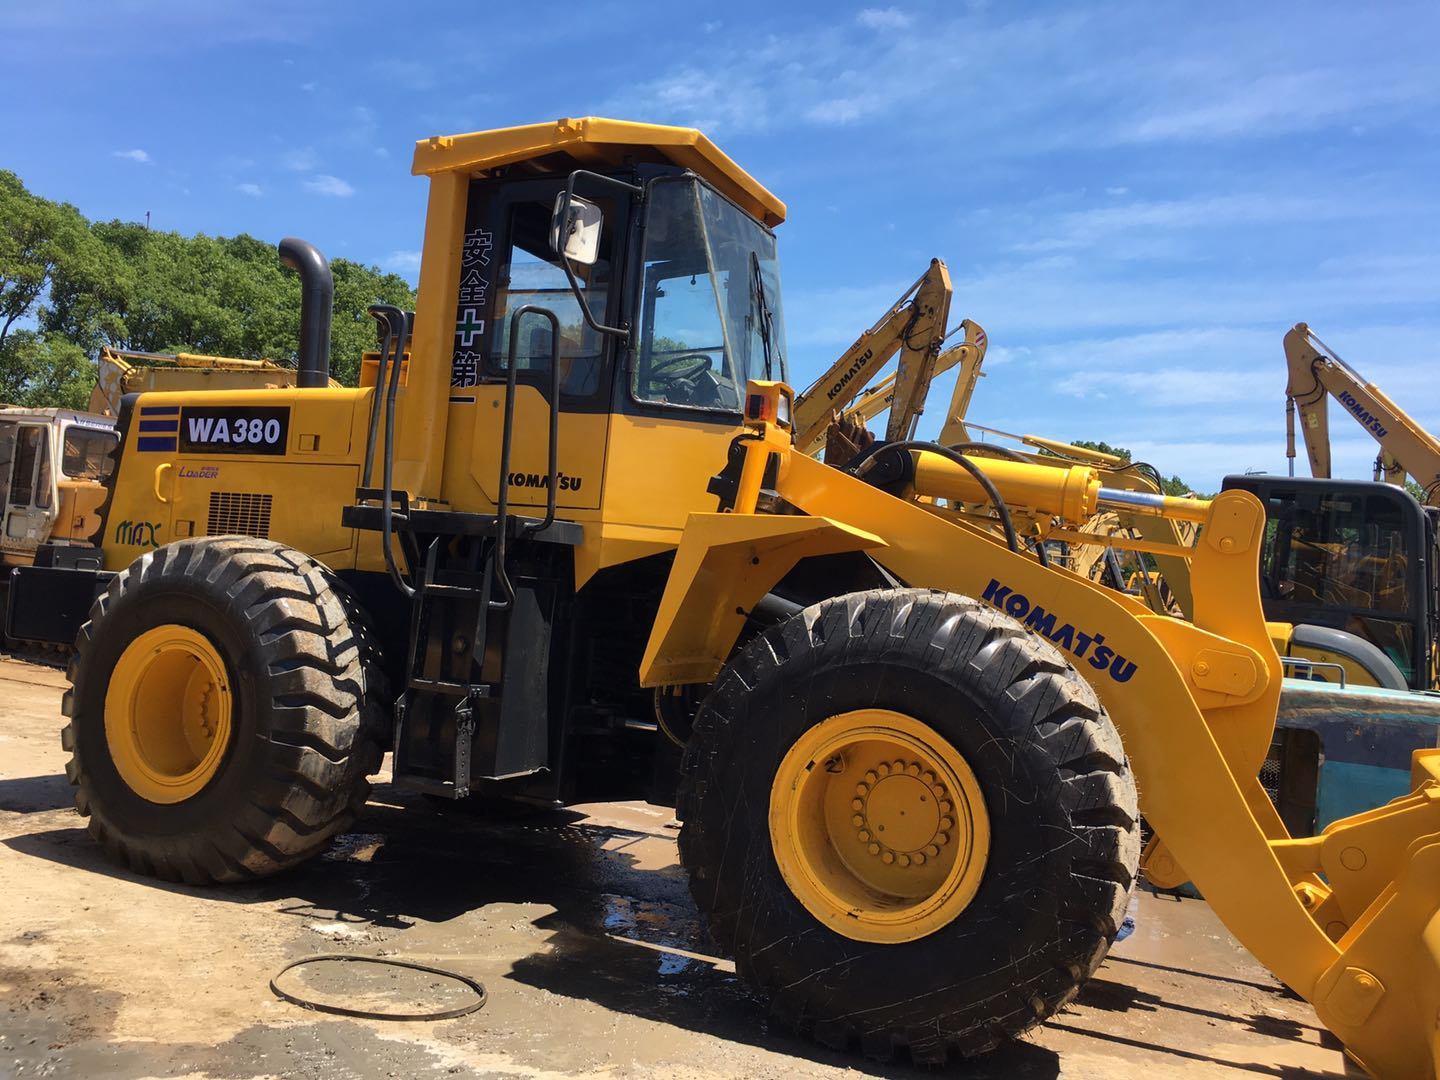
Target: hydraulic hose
(1012, 539)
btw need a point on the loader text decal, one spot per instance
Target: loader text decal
(234, 429)
(564, 481)
(1368, 420)
(1088, 647)
(137, 534)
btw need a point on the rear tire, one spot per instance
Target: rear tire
(1063, 843)
(306, 712)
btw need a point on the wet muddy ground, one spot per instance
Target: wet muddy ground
(578, 923)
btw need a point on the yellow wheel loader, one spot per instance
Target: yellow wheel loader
(575, 522)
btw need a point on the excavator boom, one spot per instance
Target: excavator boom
(969, 355)
(1315, 372)
(914, 327)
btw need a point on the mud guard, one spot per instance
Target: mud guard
(725, 563)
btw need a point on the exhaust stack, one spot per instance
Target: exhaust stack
(317, 299)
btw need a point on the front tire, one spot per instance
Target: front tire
(226, 707)
(971, 919)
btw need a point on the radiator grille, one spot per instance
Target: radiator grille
(238, 512)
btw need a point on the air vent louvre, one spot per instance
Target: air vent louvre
(239, 512)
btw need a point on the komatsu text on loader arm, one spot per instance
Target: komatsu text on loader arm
(572, 550)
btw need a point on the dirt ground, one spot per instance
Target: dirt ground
(579, 924)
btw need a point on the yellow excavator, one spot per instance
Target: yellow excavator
(969, 355)
(1316, 374)
(1358, 561)
(913, 328)
(126, 371)
(579, 520)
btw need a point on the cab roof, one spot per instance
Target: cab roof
(591, 142)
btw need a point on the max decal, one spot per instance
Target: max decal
(137, 534)
(1077, 642)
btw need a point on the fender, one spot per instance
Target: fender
(725, 563)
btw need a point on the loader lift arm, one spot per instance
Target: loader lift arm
(914, 327)
(1195, 706)
(1315, 372)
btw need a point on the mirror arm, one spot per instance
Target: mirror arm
(621, 332)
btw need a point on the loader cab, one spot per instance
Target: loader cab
(664, 291)
(1347, 572)
(594, 297)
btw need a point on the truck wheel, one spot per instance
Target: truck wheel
(226, 706)
(910, 821)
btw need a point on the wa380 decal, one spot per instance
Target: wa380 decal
(234, 429)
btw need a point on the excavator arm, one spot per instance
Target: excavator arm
(915, 328)
(969, 355)
(1316, 373)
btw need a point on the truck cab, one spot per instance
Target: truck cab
(52, 465)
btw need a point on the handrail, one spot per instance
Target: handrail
(502, 509)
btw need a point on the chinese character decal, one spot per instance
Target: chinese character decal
(470, 312)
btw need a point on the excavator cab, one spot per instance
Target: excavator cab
(1347, 579)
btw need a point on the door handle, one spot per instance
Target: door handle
(160, 471)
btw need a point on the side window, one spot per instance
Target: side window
(89, 455)
(43, 484)
(529, 273)
(8, 432)
(22, 474)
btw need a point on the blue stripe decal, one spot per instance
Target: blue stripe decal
(170, 427)
(154, 443)
(159, 410)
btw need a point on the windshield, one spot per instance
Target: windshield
(710, 315)
(1342, 561)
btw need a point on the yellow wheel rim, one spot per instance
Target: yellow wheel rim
(879, 826)
(168, 714)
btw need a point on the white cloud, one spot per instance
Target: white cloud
(324, 184)
(718, 101)
(309, 87)
(889, 18)
(301, 159)
(253, 190)
(1117, 191)
(403, 262)
(133, 155)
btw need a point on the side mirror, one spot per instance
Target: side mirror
(575, 229)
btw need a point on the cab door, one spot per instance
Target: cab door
(507, 263)
(29, 503)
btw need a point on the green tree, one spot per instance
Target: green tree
(69, 287)
(45, 371)
(221, 296)
(38, 240)
(1103, 448)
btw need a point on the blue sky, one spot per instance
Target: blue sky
(1135, 200)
